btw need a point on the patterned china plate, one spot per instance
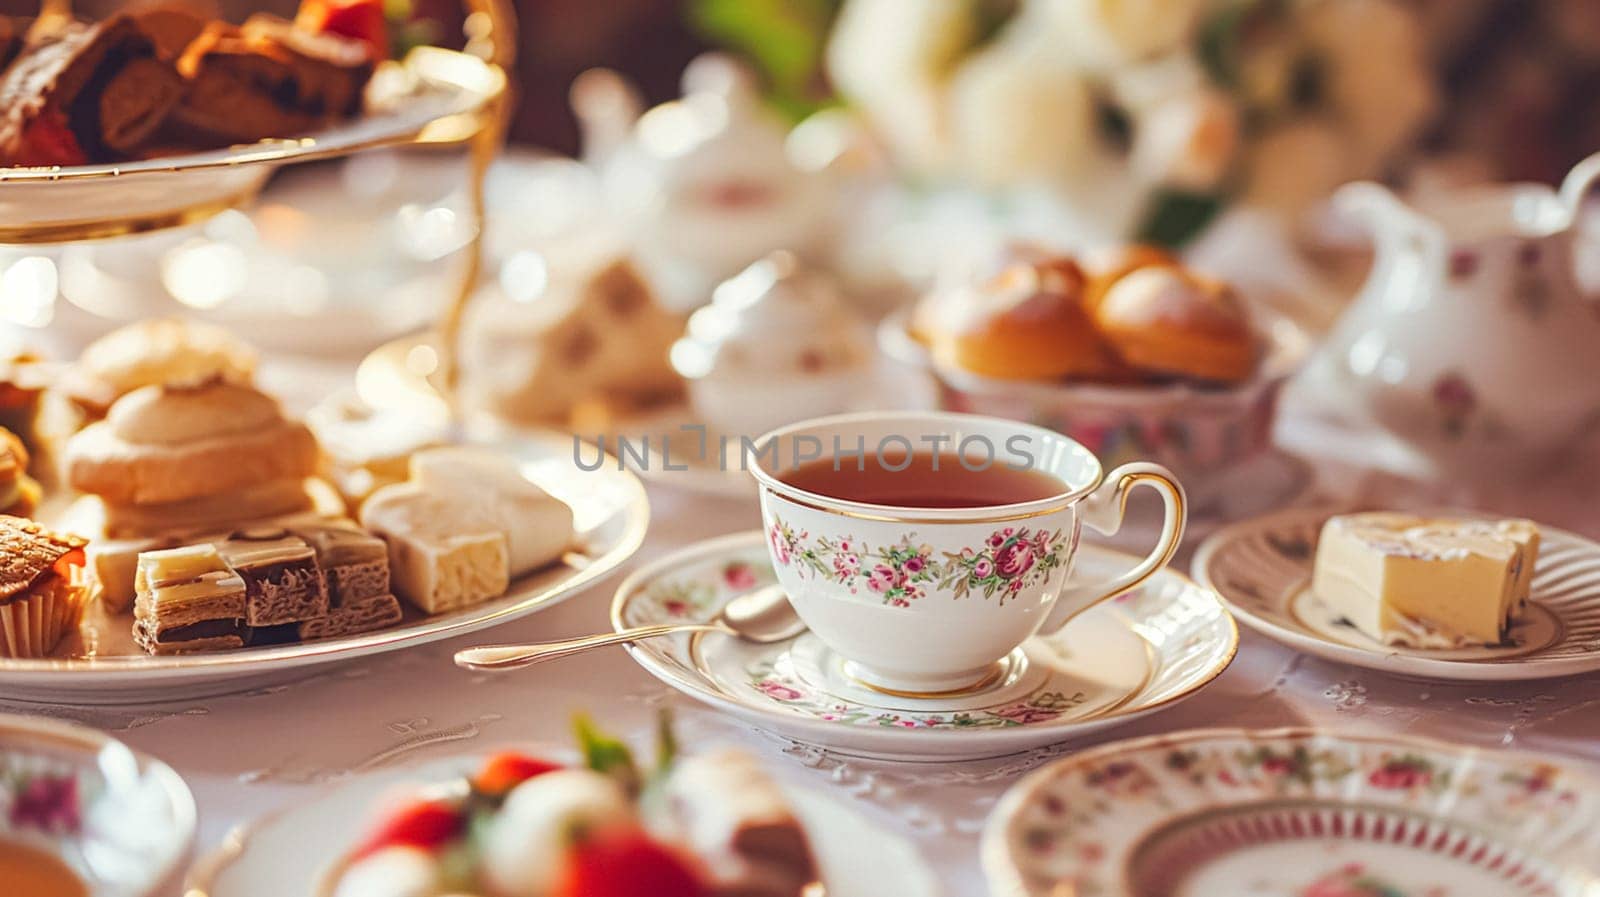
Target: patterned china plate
(292, 853)
(1262, 569)
(1116, 662)
(609, 509)
(1295, 813)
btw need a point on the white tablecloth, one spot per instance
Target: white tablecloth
(245, 755)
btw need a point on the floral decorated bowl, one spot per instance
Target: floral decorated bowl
(122, 822)
(1296, 813)
(1199, 433)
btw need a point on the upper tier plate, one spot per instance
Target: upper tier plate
(610, 513)
(85, 202)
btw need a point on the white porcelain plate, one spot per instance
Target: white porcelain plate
(1295, 813)
(1262, 568)
(291, 853)
(48, 204)
(1116, 662)
(610, 512)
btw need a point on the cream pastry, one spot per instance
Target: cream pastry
(777, 344)
(159, 352)
(1026, 323)
(367, 448)
(1426, 582)
(168, 444)
(595, 337)
(443, 553)
(538, 526)
(189, 599)
(1168, 321)
(282, 580)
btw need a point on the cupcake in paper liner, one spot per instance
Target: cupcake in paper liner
(41, 590)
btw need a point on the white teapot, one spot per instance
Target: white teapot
(703, 185)
(1473, 340)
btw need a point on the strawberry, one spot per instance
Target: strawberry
(427, 825)
(47, 140)
(360, 20)
(626, 865)
(507, 770)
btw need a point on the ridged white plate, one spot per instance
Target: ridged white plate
(1295, 813)
(610, 512)
(1262, 568)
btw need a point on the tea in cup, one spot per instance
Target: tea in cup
(924, 547)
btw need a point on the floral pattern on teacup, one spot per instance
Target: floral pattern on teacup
(1009, 560)
(1040, 707)
(41, 800)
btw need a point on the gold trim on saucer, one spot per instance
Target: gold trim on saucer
(997, 670)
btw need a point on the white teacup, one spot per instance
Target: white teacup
(927, 600)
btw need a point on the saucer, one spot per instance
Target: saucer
(1262, 569)
(1295, 812)
(1113, 663)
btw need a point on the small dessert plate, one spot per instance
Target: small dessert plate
(1113, 663)
(293, 851)
(1262, 569)
(610, 514)
(1295, 813)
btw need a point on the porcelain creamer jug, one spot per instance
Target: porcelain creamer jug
(1473, 341)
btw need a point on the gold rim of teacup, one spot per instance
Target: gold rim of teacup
(1052, 504)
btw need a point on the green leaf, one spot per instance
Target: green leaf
(666, 743)
(605, 754)
(785, 39)
(1174, 217)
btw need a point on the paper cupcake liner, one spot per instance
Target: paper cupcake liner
(35, 625)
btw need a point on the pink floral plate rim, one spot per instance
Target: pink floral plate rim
(1256, 565)
(1484, 803)
(740, 562)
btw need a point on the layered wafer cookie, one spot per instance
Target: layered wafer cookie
(364, 615)
(187, 599)
(281, 576)
(355, 561)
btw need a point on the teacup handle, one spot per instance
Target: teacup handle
(1103, 509)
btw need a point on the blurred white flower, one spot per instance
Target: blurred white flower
(1189, 141)
(1018, 117)
(1100, 34)
(1293, 165)
(892, 58)
(1374, 73)
(1141, 87)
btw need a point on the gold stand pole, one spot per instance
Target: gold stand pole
(491, 35)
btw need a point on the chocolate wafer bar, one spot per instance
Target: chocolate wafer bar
(281, 576)
(364, 615)
(187, 599)
(355, 561)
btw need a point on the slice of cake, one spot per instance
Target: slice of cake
(1426, 582)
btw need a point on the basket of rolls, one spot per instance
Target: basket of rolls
(1127, 351)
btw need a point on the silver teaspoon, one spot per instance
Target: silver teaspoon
(762, 616)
